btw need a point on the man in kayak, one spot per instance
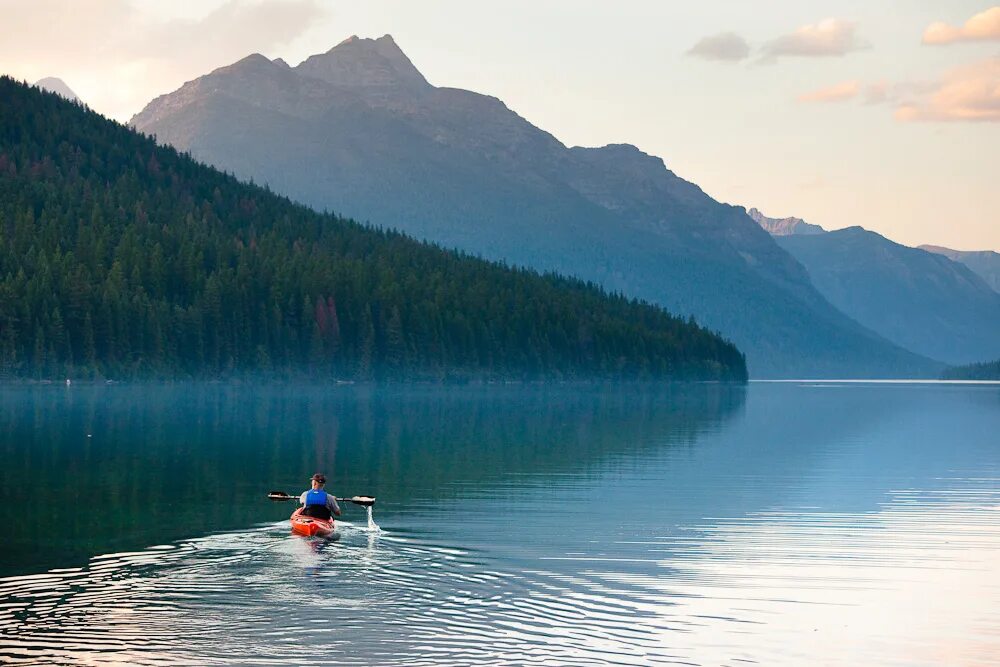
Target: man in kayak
(318, 503)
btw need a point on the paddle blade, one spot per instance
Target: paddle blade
(279, 495)
(364, 501)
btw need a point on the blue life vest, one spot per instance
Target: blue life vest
(316, 497)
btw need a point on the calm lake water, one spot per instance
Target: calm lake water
(778, 524)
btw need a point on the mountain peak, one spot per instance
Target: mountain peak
(56, 85)
(784, 226)
(249, 71)
(386, 38)
(252, 59)
(366, 63)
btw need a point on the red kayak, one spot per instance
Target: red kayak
(310, 526)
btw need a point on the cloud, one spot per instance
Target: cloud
(966, 94)
(117, 56)
(970, 93)
(836, 93)
(233, 30)
(984, 26)
(877, 93)
(828, 38)
(725, 46)
(883, 92)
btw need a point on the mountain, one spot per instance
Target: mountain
(784, 226)
(57, 86)
(922, 301)
(984, 263)
(360, 131)
(119, 257)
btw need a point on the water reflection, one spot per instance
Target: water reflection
(146, 465)
(784, 535)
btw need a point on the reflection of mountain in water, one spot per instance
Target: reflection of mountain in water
(137, 466)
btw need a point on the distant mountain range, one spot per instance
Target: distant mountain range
(57, 86)
(920, 300)
(360, 131)
(984, 263)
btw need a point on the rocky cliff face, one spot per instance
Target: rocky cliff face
(360, 131)
(369, 64)
(784, 226)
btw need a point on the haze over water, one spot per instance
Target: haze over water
(798, 523)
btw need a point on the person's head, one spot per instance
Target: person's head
(318, 480)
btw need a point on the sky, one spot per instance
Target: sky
(881, 114)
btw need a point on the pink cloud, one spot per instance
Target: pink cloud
(969, 93)
(828, 38)
(877, 93)
(984, 26)
(839, 92)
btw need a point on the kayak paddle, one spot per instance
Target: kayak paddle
(364, 501)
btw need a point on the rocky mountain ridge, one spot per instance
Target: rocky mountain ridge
(783, 226)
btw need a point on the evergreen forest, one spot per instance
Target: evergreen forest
(122, 259)
(986, 370)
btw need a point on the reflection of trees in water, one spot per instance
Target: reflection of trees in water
(167, 462)
(479, 434)
(326, 429)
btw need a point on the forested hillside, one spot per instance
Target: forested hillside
(987, 370)
(119, 258)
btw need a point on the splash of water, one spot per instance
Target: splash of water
(372, 526)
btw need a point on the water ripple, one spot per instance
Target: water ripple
(772, 587)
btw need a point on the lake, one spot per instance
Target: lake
(778, 524)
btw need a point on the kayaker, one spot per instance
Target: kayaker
(318, 503)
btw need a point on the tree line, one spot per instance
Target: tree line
(986, 370)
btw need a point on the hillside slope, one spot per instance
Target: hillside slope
(984, 263)
(360, 131)
(119, 257)
(922, 301)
